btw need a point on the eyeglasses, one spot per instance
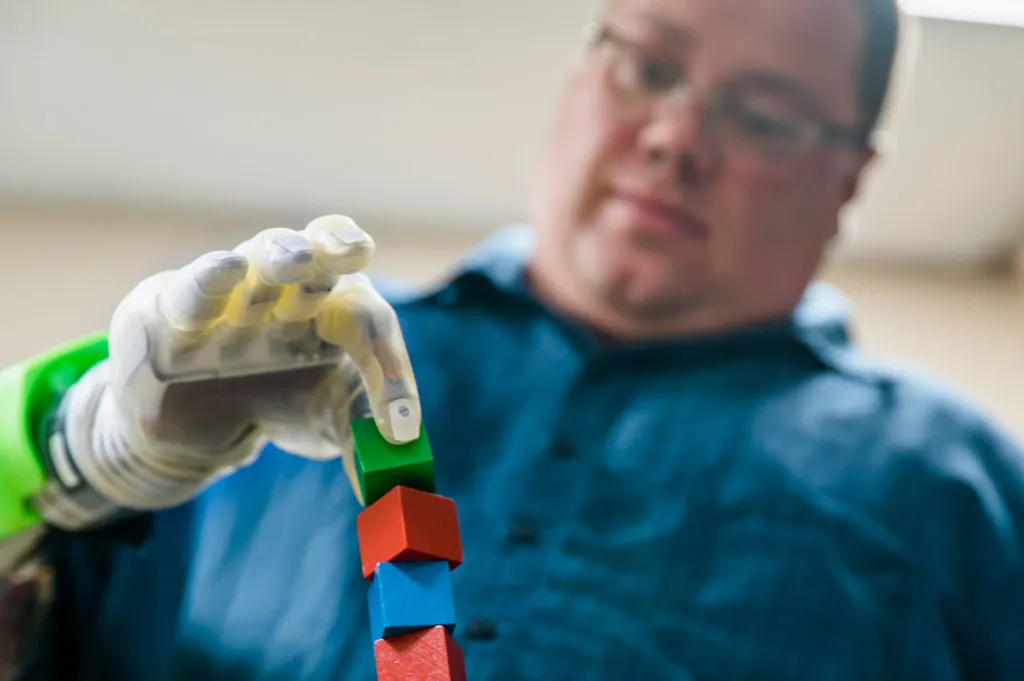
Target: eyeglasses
(748, 125)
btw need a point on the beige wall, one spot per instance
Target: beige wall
(429, 112)
(63, 276)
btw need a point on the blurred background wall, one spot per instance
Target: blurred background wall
(134, 136)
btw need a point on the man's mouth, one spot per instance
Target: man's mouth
(658, 215)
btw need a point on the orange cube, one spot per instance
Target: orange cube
(424, 655)
(407, 525)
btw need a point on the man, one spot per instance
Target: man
(669, 460)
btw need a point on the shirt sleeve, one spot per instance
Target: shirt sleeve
(48, 606)
(29, 550)
(26, 597)
(990, 568)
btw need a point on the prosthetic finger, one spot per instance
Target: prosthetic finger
(357, 319)
(341, 247)
(196, 296)
(277, 257)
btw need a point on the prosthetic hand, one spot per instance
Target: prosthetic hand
(282, 339)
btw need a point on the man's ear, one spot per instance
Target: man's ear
(860, 164)
(881, 145)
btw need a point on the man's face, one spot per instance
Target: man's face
(651, 207)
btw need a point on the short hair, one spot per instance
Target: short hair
(882, 21)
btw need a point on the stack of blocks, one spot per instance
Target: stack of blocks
(409, 542)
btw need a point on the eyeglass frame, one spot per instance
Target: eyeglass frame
(814, 132)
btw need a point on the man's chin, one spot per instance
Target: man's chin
(634, 293)
(628, 279)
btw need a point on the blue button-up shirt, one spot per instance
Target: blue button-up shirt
(770, 504)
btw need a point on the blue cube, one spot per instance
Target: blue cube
(406, 597)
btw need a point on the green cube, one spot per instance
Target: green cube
(382, 466)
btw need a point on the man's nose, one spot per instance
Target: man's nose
(677, 138)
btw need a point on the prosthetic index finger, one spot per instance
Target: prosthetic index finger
(358, 320)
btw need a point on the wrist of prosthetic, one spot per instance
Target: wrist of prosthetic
(101, 469)
(67, 458)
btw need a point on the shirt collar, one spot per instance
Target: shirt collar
(822, 321)
(502, 259)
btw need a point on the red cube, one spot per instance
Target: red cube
(407, 525)
(424, 655)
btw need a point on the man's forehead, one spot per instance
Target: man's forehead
(815, 42)
(791, 9)
(830, 18)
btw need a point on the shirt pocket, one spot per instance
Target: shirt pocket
(766, 587)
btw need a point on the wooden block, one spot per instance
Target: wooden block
(405, 597)
(409, 525)
(381, 465)
(426, 655)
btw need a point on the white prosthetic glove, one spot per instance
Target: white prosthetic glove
(282, 339)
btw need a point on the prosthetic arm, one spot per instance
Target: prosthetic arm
(281, 339)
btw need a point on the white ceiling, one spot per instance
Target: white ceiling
(989, 11)
(423, 114)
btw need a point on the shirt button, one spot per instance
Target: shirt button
(523, 535)
(480, 630)
(562, 450)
